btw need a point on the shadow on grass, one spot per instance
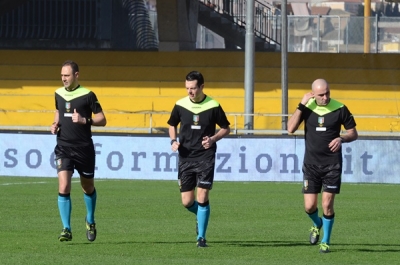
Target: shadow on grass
(367, 248)
(226, 243)
(262, 243)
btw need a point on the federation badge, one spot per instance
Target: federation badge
(321, 121)
(196, 119)
(67, 106)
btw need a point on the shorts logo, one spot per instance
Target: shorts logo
(305, 184)
(205, 182)
(59, 163)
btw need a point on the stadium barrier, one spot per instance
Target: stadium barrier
(138, 89)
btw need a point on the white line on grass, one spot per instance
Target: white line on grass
(39, 182)
(23, 183)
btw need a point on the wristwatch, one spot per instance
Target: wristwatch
(172, 141)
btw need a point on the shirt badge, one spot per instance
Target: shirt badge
(195, 125)
(196, 119)
(321, 127)
(67, 106)
(321, 121)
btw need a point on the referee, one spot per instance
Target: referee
(198, 115)
(77, 110)
(322, 168)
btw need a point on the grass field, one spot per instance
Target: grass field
(143, 222)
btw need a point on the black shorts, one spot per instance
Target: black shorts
(81, 158)
(326, 177)
(194, 174)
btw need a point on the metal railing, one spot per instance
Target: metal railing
(266, 25)
(236, 128)
(329, 33)
(338, 34)
(90, 24)
(315, 33)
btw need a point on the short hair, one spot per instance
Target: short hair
(195, 75)
(74, 65)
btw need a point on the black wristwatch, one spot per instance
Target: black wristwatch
(172, 141)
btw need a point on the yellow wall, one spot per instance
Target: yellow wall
(130, 83)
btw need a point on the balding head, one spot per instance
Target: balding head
(321, 91)
(318, 84)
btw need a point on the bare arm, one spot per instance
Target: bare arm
(173, 134)
(56, 117)
(99, 119)
(350, 136)
(54, 125)
(207, 141)
(294, 121)
(220, 134)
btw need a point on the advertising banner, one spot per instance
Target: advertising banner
(237, 159)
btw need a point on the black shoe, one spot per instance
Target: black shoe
(90, 231)
(314, 234)
(201, 243)
(197, 228)
(66, 235)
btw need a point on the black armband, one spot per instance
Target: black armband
(301, 106)
(173, 141)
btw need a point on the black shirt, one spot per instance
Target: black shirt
(85, 102)
(322, 125)
(197, 119)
